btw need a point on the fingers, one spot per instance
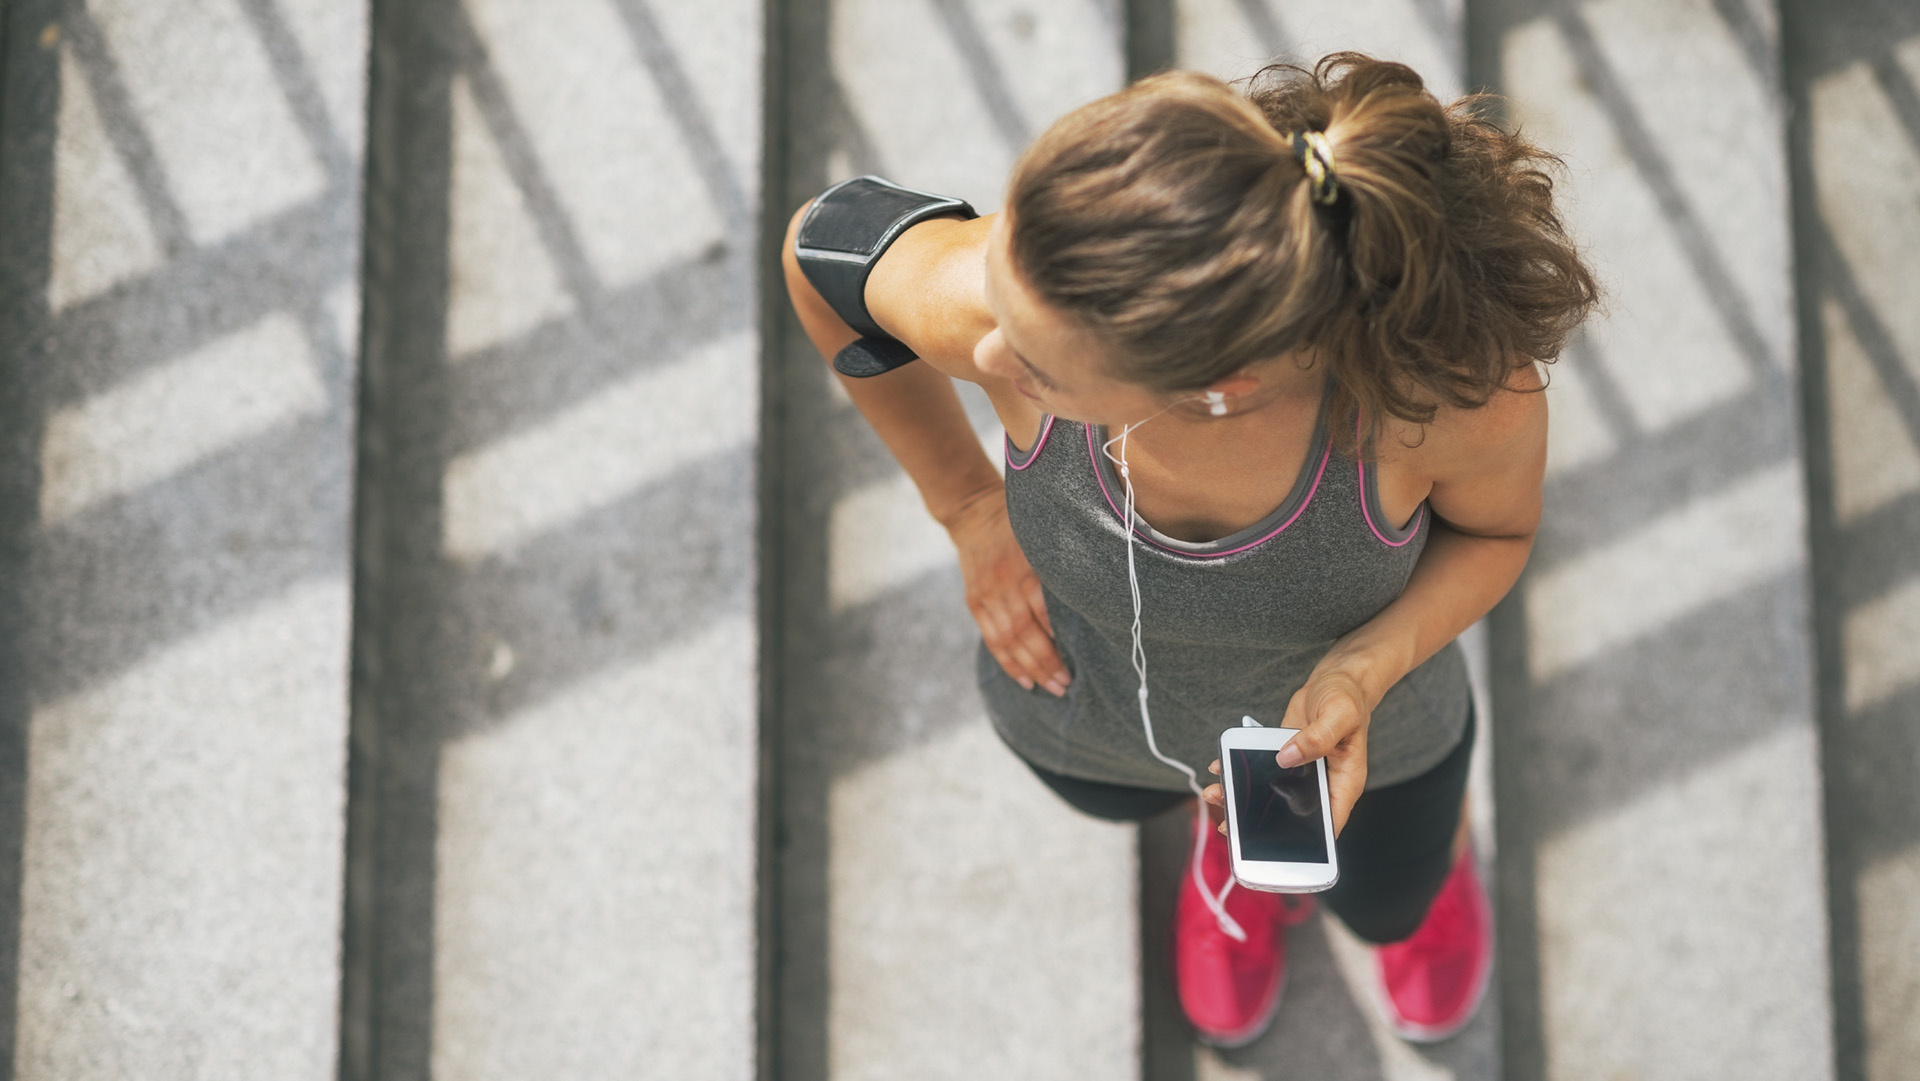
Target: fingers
(1314, 741)
(1008, 603)
(1327, 715)
(1037, 603)
(1022, 646)
(1045, 658)
(1332, 725)
(1346, 780)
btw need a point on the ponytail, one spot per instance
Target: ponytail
(1411, 247)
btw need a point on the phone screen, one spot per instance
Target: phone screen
(1278, 809)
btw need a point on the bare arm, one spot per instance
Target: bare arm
(1487, 467)
(914, 408)
(1485, 503)
(926, 291)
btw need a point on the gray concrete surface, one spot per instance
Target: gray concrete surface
(1709, 844)
(556, 719)
(181, 255)
(943, 915)
(1662, 844)
(1853, 70)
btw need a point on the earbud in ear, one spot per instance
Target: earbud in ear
(1216, 403)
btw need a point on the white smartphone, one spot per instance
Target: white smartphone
(1279, 822)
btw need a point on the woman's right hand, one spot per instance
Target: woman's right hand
(1004, 594)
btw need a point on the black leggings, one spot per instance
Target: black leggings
(1395, 851)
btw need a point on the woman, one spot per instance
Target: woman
(1294, 332)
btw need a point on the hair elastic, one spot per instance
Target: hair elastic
(1315, 155)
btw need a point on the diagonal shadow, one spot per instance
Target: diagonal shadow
(550, 219)
(1551, 772)
(1606, 396)
(849, 133)
(1898, 86)
(984, 71)
(1755, 41)
(194, 299)
(1876, 340)
(683, 105)
(300, 89)
(1444, 26)
(1873, 554)
(1595, 503)
(1694, 238)
(1870, 811)
(675, 309)
(1267, 27)
(583, 597)
(111, 584)
(118, 116)
(108, 614)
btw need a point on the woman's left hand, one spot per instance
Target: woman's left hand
(1331, 712)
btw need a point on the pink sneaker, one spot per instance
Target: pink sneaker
(1230, 988)
(1432, 982)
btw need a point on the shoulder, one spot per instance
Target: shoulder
(1486, 464)
(929, 290)
(1513, 419)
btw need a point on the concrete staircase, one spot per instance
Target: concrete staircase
(451, 626)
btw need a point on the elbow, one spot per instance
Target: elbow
(789, 261)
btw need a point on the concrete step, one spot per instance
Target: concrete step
(244, 529)
(181, 253)
(942, 914)
(1664, 885)
(1852, 70)
(557, 711)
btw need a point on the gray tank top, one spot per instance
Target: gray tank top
(1231, 626)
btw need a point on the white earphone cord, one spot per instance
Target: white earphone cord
(1203, 820)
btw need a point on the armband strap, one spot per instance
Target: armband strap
(846, 231)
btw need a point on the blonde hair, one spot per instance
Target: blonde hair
(1175, 220)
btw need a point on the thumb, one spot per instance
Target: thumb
(1327, 714)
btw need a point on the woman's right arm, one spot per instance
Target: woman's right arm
(927, 290)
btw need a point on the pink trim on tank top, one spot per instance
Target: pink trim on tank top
(1413, 529)
(1093, 459)
(1034, 454)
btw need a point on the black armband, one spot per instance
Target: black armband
(846, 231)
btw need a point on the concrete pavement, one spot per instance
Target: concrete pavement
(557, 709)
(392, 688)
(1852, 70)
(181, 257)
(1665, 886)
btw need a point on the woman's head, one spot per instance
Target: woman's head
(1176, 227)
